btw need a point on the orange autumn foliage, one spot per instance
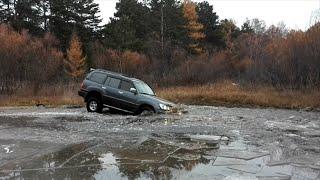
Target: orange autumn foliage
(75, 62)
(193, 27)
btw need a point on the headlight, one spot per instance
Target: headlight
(164, 107)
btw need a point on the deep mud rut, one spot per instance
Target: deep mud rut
(206, 143)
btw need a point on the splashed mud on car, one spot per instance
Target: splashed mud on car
(206, 143)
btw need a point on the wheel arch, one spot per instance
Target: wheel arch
(95, 94)
(146, 105)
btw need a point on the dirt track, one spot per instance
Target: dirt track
(206, 143)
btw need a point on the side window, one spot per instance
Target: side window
(113, 82)
(125, 85)
(107, 81)
(98, 77)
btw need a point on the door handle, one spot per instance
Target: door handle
(120, 92)
(104, 87)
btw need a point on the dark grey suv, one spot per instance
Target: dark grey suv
(103, 88)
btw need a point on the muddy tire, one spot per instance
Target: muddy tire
(94, 105)
(145, 110)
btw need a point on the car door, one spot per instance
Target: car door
(128, 99)
(111, 92)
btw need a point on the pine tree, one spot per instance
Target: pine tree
(210, 21)
(6, 10)
(44, 9)
(120, 35)
(86, 18)
(21, 14)
(194, 28)
(129, 27)
(173, 20)
(69, 15)
(27, 16)
(75, 63)
(2, 12)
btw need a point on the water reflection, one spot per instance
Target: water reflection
(151, 158)
(51, 166)
(155, 160)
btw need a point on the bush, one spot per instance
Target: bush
(24, 59)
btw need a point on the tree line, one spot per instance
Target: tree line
(133, 26)
(165, 42)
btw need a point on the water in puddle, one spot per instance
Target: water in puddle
(157, 157)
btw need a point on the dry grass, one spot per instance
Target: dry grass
(226, 94)
(40, 100)
(50, 96)
(219, 94)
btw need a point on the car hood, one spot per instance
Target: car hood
(158, 99)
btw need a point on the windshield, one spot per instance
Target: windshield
(143, 88)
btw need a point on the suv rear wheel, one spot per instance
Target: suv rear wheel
(94, 105)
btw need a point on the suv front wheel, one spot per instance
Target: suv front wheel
(145, 110)
(94, 105)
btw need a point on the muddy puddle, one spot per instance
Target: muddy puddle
(30, 122)
(206, 143)
(159, 156)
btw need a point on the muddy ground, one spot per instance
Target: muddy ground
(205, 143)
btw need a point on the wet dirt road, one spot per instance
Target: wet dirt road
(206, 143)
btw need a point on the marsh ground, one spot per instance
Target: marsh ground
(205, 143)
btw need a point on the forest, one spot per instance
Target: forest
(47, 47)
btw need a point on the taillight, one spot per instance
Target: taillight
(82, 85)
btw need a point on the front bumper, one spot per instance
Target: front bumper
(173, 109)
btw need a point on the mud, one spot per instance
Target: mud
(206, 143)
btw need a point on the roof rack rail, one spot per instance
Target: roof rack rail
(111, 72)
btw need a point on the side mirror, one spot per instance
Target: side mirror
(133, 90)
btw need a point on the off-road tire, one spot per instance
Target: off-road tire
(145, 110)
(94, 105)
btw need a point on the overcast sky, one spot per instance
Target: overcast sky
(294, 13)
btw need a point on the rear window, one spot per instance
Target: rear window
(113, 82)
(125, 85)
(98, 77)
